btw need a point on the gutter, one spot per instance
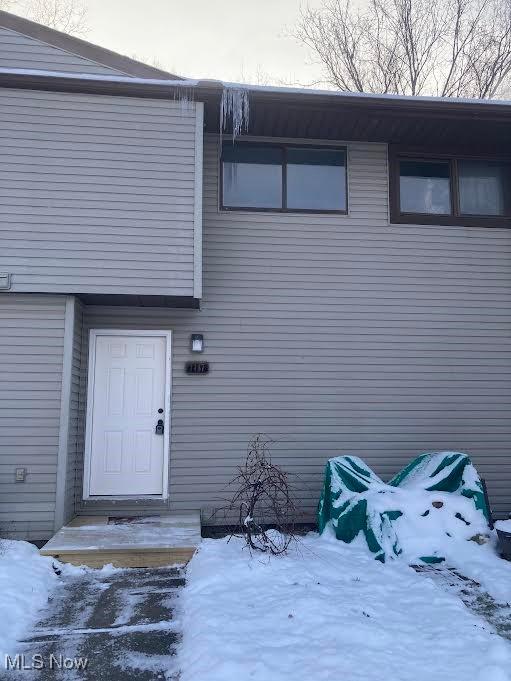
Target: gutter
(204, 90)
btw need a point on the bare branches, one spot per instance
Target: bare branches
(451, 48)
(69, 16)
(262, 500)
(490, 58)
(336, 34)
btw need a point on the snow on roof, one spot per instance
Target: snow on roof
(361, 95)
(92, 77)
(192, 83)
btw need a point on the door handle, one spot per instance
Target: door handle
(159, 427)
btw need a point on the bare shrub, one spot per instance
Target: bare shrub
(262, 501)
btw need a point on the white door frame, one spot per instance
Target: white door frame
(93, 334)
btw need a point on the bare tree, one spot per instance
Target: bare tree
(262, 501)
(69, 16)
(451, 48)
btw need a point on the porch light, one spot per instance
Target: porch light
(197, 342)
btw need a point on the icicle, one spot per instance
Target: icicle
(185, 97)
(234, 108)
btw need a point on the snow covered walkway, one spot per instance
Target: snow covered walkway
(106, 625)
(475, 597)
(330, 611)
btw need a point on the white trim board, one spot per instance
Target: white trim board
(197, 207)
(93, 335)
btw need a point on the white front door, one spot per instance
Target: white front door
(129, 377)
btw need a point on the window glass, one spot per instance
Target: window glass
(424, 187)
(316, 179)
(483, 187)
(252, 176)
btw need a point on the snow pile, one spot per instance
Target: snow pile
(328, 610)
(432, 524)
(26, 580)
(484, 565)
(435, 523)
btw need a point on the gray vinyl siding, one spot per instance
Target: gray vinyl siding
(336, 335)
(18, 51)
(74, 440)
(31, 347)
(97, 193)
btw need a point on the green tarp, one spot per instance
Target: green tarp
(355, 500)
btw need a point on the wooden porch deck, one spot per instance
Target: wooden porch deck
(151, 541)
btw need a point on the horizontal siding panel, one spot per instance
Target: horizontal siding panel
(102, 244)
(106, 118)
(19, 509)
(29, 496)
(97, 193)
(91, 180)
(180, 262)
(10, 189)
(131, 106)
(103, 156)
(45, 484)
(146, 171)
(112, 212)
(34, 452)
(31, 347)
(131, 146)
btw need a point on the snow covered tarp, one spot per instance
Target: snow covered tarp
(436, 498)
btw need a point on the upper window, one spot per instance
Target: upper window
(484, 188)
(451, 191)
(425, 187)
(283, 178)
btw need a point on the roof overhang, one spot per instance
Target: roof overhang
(312, 114)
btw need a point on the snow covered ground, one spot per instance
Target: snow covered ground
(26, 581)
(329, 610)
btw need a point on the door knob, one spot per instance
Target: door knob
(159, 427)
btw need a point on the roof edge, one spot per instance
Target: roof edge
(82, 48)
(208, 90)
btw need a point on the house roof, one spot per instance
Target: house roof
(82, 48)
(430, 123)
(155, 86)
(426, 122)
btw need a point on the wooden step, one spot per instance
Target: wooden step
(155, 541)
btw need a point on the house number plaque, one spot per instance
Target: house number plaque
(197, 368)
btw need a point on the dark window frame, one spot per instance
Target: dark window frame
(284, 209)
(456, 218)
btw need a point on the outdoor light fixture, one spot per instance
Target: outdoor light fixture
(197, 342)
